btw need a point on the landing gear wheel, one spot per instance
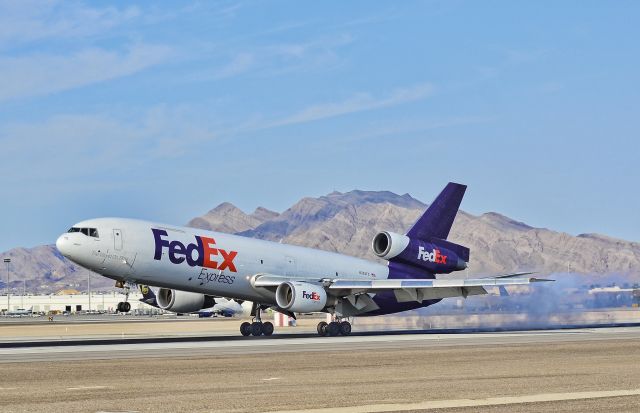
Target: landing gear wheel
(245, 329)
(334, 328)
(267, 328)
(345, 328)
(322, 328)
(256, 328)
(123, 307)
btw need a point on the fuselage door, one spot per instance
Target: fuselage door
(117, 239)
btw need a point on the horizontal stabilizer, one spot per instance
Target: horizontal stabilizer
(460, 250)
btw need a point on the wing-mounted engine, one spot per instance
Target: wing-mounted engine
(183, 301)
(301, 297)
(435, 255)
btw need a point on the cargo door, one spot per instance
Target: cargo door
(120, 260)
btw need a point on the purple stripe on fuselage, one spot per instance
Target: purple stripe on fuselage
(398, 270)
(388, 304)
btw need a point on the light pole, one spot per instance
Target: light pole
(7, 261)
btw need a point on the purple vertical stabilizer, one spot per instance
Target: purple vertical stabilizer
(437, 220)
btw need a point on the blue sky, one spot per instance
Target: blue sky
(162, 111)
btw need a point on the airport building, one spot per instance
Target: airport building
(72, 301)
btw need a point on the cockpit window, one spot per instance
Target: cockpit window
(91, 232)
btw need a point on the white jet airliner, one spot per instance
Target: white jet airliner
(20, 312)
(191, 267)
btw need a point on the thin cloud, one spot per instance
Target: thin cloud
(95, 142)
(42, 74)
(240, 64)
(357, 103)
(277, 59)
(412, 126)
(26, 21)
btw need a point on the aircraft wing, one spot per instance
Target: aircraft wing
(405, 290)
(419, 290)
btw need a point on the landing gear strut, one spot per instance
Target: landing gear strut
(334, 328)
(256, 327)
(124, 306)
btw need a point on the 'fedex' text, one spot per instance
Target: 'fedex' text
(433, 256)
(311, 296)
(203, 253)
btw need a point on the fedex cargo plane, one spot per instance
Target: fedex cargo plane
(191, 267)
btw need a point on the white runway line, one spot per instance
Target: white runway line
(118, 411)
(490, 401)
(87, 388)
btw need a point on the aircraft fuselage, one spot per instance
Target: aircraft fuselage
(201, 261)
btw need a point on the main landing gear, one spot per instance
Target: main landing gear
(124, 306)
(334, 328)
(256, 327)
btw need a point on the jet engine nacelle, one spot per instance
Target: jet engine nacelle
(179, 301)
(436, 256)
(389, 244)
(301, 297)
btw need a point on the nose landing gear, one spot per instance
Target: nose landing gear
(124, 306)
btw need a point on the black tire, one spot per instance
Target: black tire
(267, 328)
(126, 307)
(245, 329)
(334, 328)
(322, 328)
(256, 328)
(119, 308)
(345, 328)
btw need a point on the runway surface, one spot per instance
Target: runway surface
(561, 370)
(288, 342)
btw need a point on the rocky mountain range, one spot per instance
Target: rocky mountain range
(347, 222)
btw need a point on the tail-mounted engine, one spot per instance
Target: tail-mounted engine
(435, 255)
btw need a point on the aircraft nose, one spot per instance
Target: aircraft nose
(62, 244)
